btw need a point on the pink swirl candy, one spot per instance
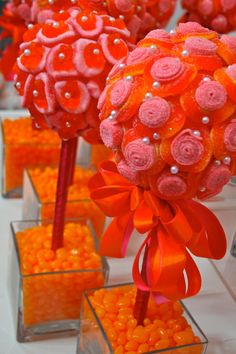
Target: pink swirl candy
(186, 148)
(111, 133)
(219, 23)
(140, 156)
(230, 41)
(230, 136)
(171, 186)
(191, 27)
(227, 4)
(211, 96)
(158, 34)
(231, 71)
(127, 172)
(120, 92)
(167, 69)
(123, 5)
(138, 54)
(200, 46)
(216, 177)
(155, 112)
(206, 7)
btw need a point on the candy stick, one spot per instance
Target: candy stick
(73, 161)
(142, 297)
(66, 161)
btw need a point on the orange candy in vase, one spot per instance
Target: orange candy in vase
(167, 325)
(40, 191)
(25, 147)
(52, 282)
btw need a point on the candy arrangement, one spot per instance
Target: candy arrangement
(25, 147)
(217, 15)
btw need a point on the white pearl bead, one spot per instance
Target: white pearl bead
(35, 93)
(206, 79)
(139, 8)
(112, 19)
(172, 31)
(148, 95)
(37, 125)
(185, 53)
(146, 140)
(84, 18)
(156, 84)
(68, 125)
(205, 120)
(129, 78)
(67, 95)
(156, 136)
(61, 56)
(55, 24)
(217, 162)
(96, 51)
(116, 41)
(113, 113)
(111, 117)
(73, 1)
(121, 66)
(153, 47)
(51, 2)
(27, 52)
(30, 26)
(202, 189)
(18, 85)
(122, 17)
(174, 170)
(196, 133)
(227, 160)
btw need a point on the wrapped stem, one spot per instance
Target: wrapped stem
(73, 161)
(66, 161)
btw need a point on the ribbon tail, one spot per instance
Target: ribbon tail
(116, 237)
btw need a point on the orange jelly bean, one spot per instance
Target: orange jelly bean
(127, 337)
(56, 296)
(80, 205)
(26, 147)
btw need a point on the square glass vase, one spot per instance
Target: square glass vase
(46, 304)
(35, 209)
(93, 338)
(18, 155)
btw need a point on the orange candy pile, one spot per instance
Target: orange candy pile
(169, 112)
(79, 204)
(25, 147)
(164, 325)
(215, 14)
(57, 296)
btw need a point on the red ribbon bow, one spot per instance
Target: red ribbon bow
(174, 228)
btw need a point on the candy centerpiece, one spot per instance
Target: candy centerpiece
(60, 73)
(218, 15)
(169, 116)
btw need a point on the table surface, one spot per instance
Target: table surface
(214, 308)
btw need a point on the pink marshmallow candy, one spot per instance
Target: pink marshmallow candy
(155, 112)
(120, 92)
(211, 96)
(171, 186)
(187, 149)
(191, 27)
(216, 177)
(158, 34)
(138, 54)
(111, 133)
(230, 136)
(139, 156)
(200, 46)
(127, 172)
(167, 69)
(230, 41)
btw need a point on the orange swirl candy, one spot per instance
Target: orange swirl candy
(169, 115)
(219, 15)
(79, 204)
(25, 147)
(57, 295)
(62, 69)
(164, 326)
